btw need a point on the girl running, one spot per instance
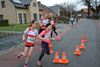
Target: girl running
(44, 36)
(29, 37)
(43, 23)
(53, 23)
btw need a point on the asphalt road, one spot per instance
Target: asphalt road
(9, 40)
(90, 57)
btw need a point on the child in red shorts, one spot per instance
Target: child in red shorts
(29, 36)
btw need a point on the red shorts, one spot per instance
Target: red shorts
(29, 44)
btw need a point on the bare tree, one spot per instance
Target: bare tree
(92, 4)
(66, 9)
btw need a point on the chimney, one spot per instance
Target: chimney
(39, 2)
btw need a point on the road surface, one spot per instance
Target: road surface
(90, 57)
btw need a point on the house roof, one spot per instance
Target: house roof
(41, 6)
(55, 8)
(20, 3)
(25, 1)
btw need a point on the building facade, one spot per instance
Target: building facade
(19, 11)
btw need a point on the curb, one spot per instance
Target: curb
(10, 49)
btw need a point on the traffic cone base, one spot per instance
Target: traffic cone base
(57, 61)
(77, 53)
(64, 61)
(82, 47)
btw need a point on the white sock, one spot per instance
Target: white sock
(23, 53)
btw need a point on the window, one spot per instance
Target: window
(3, 4)
(40, 16)
(20, 18)
(35, 16)
(1, 17)
(34, 4)
(24, 18)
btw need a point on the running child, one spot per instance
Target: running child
(43, 23)
(44, 36)
(53, 23)
(29, 36)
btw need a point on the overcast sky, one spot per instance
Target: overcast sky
(53, 2)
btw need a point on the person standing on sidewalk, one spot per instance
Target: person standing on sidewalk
(72, 20)
(45, 36)
(77, 19)
(29, 36)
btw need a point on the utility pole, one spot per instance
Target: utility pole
(96, 7)
(88, 1)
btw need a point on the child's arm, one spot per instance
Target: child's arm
(41, 38)
(42, 34)
(24, 37)
(25, 34)
(52, 39)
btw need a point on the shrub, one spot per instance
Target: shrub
(4, 23)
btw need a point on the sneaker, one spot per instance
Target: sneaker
(19, 56)
(58, 38)
(39, 63)
(25, 65)
(52, 39)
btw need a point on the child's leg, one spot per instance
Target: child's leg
(26, 49)
(51, 33)
(45, 49)
(29, 54)
(41, 56)
(72, 22)
(55, 31)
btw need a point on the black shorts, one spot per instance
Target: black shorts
(45, 47)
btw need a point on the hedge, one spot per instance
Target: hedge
(4, 23)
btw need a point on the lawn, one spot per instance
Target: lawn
(17, 28)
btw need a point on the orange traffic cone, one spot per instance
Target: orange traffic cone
(77, 51)
(84, 38)
(50, 45)
(51, 51)
(56, 59)
(82, 46)
(64, 60)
